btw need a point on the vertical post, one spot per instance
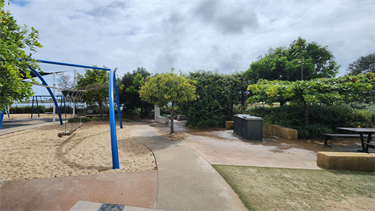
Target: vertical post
(156, 111)
(37, 106)
(32, 108)
(54, 107)
(8, 113)
(117, 101)
(1, 117)
(112, 120)
(74, 84)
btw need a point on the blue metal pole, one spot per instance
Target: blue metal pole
(49, 90)
(1, 117)
(37, 106)
(112, 120)
(32, 108)
(117, 101)
(72, 65)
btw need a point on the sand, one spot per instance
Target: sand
(40, 153)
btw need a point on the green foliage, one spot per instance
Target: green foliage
(77, 119)
(95, 78)
(14, 40)
(129, 97)
(364, 64)
(286, 63)
(167, 87)
(322, 119)
(217, 94)
(323, 91)
(207, 123)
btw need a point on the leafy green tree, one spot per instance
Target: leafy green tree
(286, 64)
(167, 88)
(13, 42)
(217, 93)
(129, 97)
(364, 64)
(94, 78)
(326, 91)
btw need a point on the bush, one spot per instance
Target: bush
(76, 119)
(322, 119)
(209, 123)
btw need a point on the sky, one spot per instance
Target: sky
(191, 35)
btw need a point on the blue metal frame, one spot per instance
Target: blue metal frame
(112, 85)
(1, 117)
(50, 92)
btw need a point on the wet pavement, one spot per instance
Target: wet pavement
(220, 146)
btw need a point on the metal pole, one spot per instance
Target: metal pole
(117, 101)
(32, 108)
(37, 106)
(54, 107)
(1, 117)
(8, 112)
(74, 84)
(112, 121)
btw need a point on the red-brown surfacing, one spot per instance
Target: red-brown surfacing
(136, 189)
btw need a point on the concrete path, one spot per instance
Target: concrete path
(186, 180)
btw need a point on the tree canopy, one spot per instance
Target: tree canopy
(325, 90)
(13, 42)
(167, 88)
(364, 64)
(216, 95)
(286, 63)
(129, 97)
(94, 78)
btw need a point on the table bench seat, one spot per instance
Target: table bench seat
(330, 136)
(371, 145)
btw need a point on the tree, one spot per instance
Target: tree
(216, 93)
(13, 42)
(167, 88)
(129, 97)
(95, 79)
(364, 64)
(325, 91)
(286, 64)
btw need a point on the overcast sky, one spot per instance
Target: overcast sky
(191, 35)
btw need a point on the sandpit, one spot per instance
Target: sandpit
(40, 153)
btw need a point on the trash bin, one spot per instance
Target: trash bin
(248, 127)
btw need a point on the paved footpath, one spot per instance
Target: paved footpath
(186, 180)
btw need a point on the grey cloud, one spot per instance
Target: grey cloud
(108, 10)
(228, 21)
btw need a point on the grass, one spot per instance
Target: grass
(85, 119)
(262, 188)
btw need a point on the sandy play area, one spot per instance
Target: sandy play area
(40, 153)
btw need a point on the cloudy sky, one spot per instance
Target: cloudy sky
(191, 35)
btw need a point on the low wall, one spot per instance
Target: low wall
(181, 117)
(163, 120)
(353, 161)
(280, 131)
(229, 124)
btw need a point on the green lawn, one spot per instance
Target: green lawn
(263, 188)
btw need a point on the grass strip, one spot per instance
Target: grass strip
(263, 188)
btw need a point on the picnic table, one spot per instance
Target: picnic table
(362, 132)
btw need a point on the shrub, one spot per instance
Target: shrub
(76, 119)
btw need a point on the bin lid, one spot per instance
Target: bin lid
(246, 116)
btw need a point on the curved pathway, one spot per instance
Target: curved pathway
(186, 180)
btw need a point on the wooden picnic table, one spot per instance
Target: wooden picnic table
(361, 131)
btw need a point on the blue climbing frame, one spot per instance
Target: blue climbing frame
(112, 90)
(37, 107)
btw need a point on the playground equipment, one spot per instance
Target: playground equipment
(112, 90)
(35, 97)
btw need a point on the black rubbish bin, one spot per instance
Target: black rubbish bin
(248, 127)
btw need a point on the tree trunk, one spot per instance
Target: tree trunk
(172, 117)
